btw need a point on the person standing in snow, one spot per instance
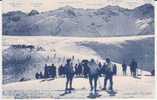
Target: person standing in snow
(53, 71)
(133, 65)
(46, 71)
(115, 69)
(109, 72)
(124, 68)
(61, 70)
(79, 69)
(131, 70)
(76, 70)
(69, 72)
(85, 68)
(93, 75)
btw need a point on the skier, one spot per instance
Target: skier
(69, 72)
(115, 69)
(46, 71)
(93, 75)
(124, 68)
(133, 65)
(109, 67)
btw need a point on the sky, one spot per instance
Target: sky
(46, 5)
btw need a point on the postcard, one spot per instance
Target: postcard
(78, 49)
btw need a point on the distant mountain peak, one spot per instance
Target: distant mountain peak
(146, 10)
(12, 13)
(70, 21)
(145, 6)
(33, 12)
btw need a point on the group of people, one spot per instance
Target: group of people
(89, 69)
(80, 70)
(49, 72)
(133, 68)
(93, 71)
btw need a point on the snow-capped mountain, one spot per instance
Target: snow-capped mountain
(69, 21)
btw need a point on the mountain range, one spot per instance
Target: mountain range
(70, 21)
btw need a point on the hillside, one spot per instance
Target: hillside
(69, 21)
(24, 56)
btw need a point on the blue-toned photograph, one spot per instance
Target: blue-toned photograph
(78, 49)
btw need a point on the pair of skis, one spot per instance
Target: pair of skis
(67, 92)
(96, 95)
(93, 95)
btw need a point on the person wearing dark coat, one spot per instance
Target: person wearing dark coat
(79, 69)
(46, 71)
(37, 75)
(115, 69)
(133, 66)
(124, 68)
(69, 72)
(76, 70)
(52, 71)
(109, 72)
(61, 70)
(86, 69)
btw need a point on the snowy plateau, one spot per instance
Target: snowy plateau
(40, 50)
(31, 40)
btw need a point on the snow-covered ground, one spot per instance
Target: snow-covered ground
(69, 46)
(124, 86)
(54, 49)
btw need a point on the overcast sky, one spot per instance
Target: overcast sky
(45, 5)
